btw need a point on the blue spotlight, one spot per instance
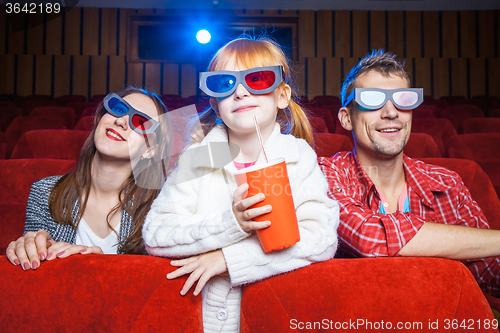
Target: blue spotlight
(203, 36)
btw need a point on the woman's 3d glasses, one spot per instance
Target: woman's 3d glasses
(373, 98)
(138, 121)
(259, 80)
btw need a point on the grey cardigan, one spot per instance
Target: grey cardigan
(38, 215)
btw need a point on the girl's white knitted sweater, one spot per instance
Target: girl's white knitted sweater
(193, 215)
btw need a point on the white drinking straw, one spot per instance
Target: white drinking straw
(260, 137)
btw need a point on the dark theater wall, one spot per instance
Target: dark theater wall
(84, 52)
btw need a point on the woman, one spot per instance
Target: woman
(100, 206)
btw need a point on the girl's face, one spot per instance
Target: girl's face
(115, 139)
(238, 110)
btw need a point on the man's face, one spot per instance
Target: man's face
(383, 132)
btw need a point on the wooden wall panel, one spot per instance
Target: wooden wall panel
(459, 77)
(81, 76)
(43, 77)
(441, 77)
(99, 72)
(170, 79)
(35, 38)
(7, 63)
(123, 15)
(72, 32)
(493, 75)
(349, 63)
(25, 75)
(306, 34)
(315, 77)
(108, 31)
(377, 30)
(54, 35)
(61, 75)
(134, 73)
(486, 33)
(396, 33)
(188, 86)
(450, 34)
(3, 32)
(153, 80)
(414, 34)
(342, 33)
(90, 31)
(360, 33)
(468, 34)
(422, 75)
(16, 39)
(324, 33)
(333, 82)
(477, 77)
(116, 73)
(431, 34)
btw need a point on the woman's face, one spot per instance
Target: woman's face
(116, 140)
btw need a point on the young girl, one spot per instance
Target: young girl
(200, 211)
(119, 172)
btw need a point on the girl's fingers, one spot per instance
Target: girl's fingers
(91, 250)
(193, 277)
(257, 225)
(248, 202)
(183, 262)
(240, 193)
(250, 214)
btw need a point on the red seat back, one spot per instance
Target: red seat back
(7, 115)
(57, 144)
(421, 145)
(326, 115)
(80, 106)
(328, 144)
(481, 125)
(64, 112)
(85, 123)
(318, 125)
(458, 113)
(476, 146)
(17, 177)
(440, 129)
(65, 99)
(24, 124)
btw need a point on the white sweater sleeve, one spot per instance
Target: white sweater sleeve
(174, 228)
(318, 218)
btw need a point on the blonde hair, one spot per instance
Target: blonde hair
(247, 52)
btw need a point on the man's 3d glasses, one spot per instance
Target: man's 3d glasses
(138, 121)
(259, 80)
(373, 98)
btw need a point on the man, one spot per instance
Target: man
(392, 205)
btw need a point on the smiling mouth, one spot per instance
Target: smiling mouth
(113, 135)
(389, 130)
(244, 108)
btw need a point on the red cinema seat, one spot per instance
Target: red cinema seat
(7, 115)
(481, 125)
(327, 117)
(65, 99)
(88, 112)
(494, 113)
(85, 123)
(56, 144)
(80, 107)
(425, 111)
(318, 125)
(458, 113)
(452, 100)
(328, 144)
(319, 101)
(421, 145)
(97, 98)
(24, 124)
(3, 145)
(340, 130)
(440, 129)
(64, 112)
(17, 177)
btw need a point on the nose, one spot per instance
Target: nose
(389, 111)
(241, 92)
(122, 122)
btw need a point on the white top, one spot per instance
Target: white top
(193, 214)
(85, 236)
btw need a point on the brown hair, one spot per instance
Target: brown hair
(262, 51)
(137, 193)
(385, 63)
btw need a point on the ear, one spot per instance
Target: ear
(285, 94)
(215, 105)
(344, 116)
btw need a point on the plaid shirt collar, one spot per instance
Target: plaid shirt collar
(419, 181)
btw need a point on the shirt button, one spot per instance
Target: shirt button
(222, 315)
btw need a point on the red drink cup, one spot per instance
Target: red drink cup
(272, 180)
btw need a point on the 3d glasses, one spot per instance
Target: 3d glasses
(138, 121)
(374, 98)
(259, 80)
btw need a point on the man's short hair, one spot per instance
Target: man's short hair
(383, 62)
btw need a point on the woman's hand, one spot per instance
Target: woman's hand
(34, 247)
(244, 215)
(201, 268)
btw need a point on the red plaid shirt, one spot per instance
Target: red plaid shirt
(436, 195)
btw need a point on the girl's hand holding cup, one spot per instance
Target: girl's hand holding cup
(244, 215)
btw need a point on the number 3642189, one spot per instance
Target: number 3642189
(32, 8)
